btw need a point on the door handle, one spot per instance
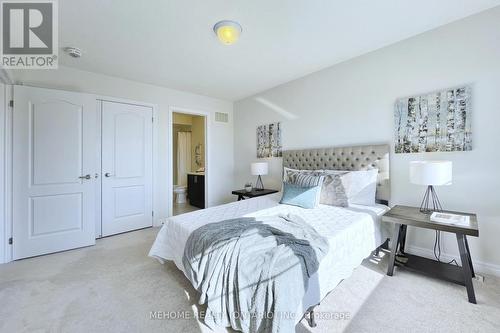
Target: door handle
(107, 174)
(85, 177)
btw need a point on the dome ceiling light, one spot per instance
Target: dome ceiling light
(227, 31)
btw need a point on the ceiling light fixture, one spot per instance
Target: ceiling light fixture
(227, 31)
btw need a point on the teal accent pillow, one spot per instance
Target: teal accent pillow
(296, 195)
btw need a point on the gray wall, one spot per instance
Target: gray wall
(353, 102)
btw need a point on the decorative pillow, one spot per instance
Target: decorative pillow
(360, 186)
(290, 174)
(296, 195)
(304, 178)
(332, 191)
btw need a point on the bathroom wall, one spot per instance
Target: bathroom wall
(182, 119)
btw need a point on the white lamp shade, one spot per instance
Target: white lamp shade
(431, 172)
(259, 168)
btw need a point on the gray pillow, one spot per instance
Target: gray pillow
(355, 188)
(291, 175)
(333, 191)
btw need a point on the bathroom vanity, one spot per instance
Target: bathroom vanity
(196, 189)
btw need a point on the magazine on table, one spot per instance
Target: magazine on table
(448, 218)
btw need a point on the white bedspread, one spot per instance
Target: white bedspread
(353, 233)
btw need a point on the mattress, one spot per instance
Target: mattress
(352, 233)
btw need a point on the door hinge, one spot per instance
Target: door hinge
(152, 213)
(152, 119)
(11, 103)
(10, 241)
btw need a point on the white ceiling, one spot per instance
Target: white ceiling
(171, 43)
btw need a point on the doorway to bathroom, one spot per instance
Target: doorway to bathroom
(189, 133)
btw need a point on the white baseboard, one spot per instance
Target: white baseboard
(480, 267)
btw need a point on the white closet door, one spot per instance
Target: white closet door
(54, 168)
(126, 167)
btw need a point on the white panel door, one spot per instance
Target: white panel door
(127, 198)
(54, 168)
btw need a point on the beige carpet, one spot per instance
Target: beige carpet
(114, 286)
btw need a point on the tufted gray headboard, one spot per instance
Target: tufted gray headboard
(345, 158)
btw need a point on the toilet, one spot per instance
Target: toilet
(180, 194)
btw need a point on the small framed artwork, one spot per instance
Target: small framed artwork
(269, 140)
(434, 122)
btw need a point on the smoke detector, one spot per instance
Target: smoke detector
(74, 52)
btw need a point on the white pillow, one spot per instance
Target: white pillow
(360, 187)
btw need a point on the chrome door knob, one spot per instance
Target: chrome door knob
(85, 177)
(107, 174)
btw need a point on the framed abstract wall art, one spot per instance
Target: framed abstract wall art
(434, 122)
(269, 140)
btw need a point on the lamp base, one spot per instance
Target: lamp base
(430, 202)
(259, 186)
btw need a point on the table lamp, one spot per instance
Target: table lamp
(431, 173)
(259, 169)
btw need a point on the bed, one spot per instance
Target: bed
(352, 233)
